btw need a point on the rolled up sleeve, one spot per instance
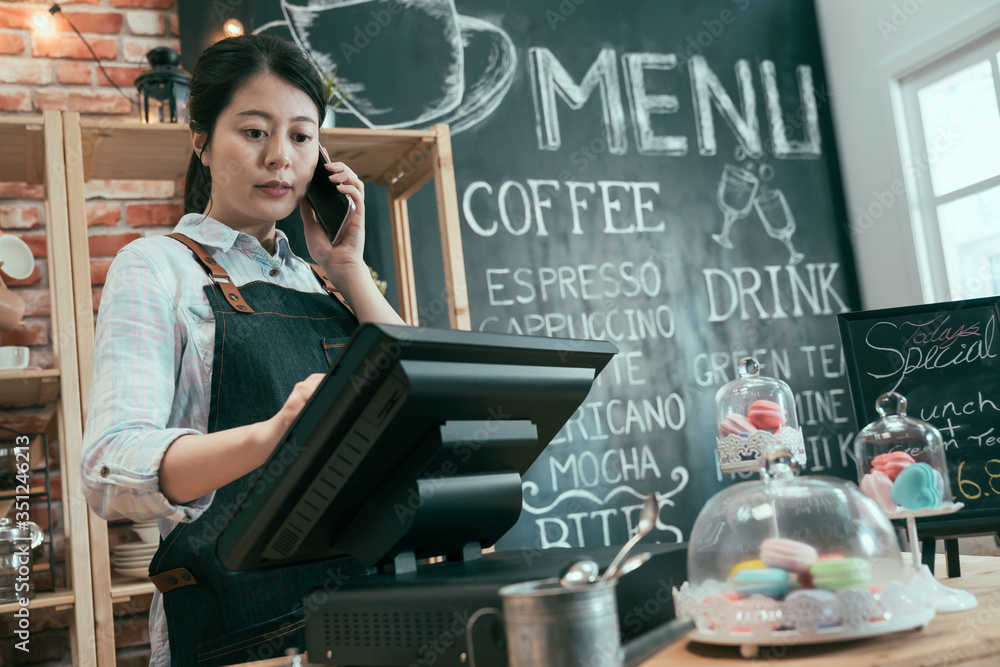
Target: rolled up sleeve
(137, 355)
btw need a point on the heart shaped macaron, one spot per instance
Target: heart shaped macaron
(766, 415)
(877, 486)
(735, 424)
(892, 463)
(916, 487)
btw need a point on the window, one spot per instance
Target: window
(951, 163)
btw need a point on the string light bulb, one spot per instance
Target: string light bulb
(42, 22)
(232, 28)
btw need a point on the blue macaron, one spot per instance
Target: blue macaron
(770, 581)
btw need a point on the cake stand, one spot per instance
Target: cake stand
(757, 621)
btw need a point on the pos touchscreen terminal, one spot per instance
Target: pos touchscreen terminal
(414, 442)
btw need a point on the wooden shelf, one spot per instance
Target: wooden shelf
(64, 599)
(23, 150)
(29, 386)
(124, 589)
(34, 151)
(383, 157)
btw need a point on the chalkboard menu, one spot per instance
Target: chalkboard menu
(658, 173)
(945, 359)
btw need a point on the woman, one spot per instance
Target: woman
(211, 340)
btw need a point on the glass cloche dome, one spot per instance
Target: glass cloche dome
(795, 560)
(901, 460)
(754, 412)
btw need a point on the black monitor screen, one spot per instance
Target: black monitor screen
(453, 417)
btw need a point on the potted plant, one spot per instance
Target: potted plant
(334, 97)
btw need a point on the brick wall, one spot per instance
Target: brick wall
(52, 69)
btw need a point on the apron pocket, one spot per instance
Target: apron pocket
(332, 348)
(269, 639)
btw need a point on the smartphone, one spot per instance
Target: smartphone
(332, 206)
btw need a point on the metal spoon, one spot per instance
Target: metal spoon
(580, 573)
(647, 520)
(632, 563)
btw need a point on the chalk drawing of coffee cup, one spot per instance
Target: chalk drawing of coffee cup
(405, 63)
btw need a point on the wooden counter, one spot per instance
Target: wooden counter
(960, 638)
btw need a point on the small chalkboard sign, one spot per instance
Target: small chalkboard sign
(945, 358)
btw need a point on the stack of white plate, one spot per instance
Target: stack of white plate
(132, 560)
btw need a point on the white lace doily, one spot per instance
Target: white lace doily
(850, 614)
(742, 453)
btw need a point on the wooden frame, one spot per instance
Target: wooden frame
(33, 150)
(401, 160)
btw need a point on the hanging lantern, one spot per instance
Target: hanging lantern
(163, 91)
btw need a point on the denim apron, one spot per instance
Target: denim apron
(267, 338)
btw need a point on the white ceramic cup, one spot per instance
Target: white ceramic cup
(16, 259)
(148, 533)
(13, 357)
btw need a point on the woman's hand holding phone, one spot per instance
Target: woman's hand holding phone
(347, 247)
(343, 257)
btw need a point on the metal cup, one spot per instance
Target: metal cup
(549, 624)
(17, 542)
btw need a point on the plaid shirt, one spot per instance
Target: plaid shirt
(153, 354)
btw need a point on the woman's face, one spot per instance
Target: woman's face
(262, 154)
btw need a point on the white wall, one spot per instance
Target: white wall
(868, 44)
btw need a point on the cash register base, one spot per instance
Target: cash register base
(422, 617)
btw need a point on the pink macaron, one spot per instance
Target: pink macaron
(877, 486)
(766, 415)
(735, 424)
(892, 463)
(790, 555)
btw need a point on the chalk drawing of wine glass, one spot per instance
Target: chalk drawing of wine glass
(735, 196)
(772, 207)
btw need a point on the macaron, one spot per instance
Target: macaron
(835, 575)
(819, 606)
(892, 463)
(916, 487)
(790, 555)
(877, 486)
(755, 564)
(771, 581)
(735, 424)
(766, 415)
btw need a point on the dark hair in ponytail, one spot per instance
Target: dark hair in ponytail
(220, 71)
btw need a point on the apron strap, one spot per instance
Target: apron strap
(171, 579)
(215, 272)
(331, 290)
